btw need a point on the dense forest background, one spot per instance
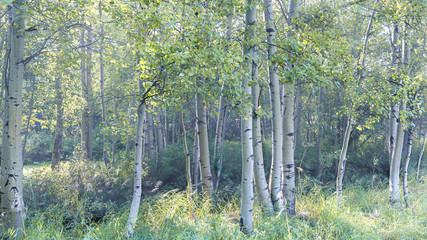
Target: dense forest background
(213, 119)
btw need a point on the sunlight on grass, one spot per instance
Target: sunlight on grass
(364, 214)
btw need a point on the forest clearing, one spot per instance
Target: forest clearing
(194, 119)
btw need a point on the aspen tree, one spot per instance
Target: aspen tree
(394, 192)
(421, 155)
(246, 208)
(12, 212)
(205, 167)
(360, 75)
(219, 133)
(276, 162)
(259, 174)
(288, 164)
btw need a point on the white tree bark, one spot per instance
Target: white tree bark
(12, 210)
(288, 168)
(187, 155)
(137, 177)
(405, 167)
(196, 160)
(394, 108)
(343, 157)
(276, 161)
(288, 172)
(259, 171)
(394, 194)
(219, 134)
(421, 155)
(246, 208)
(205, 166)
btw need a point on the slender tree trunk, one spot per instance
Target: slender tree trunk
(102, 83)
(196, 160)
(59, 129)
(277, 143)
(343, 157)
(394, 194)
(137, 177)
(288, 169)
(205, 167)
(217, 155)
(288, 174)
(259, 174)
(405, 166)
(186, 153)
(394, 109)
(246, 208)
(360, 67)
(86, 129)
(421, 155)
(11, 172)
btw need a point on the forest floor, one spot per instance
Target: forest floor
(364, 214)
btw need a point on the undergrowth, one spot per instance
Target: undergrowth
(364, 214)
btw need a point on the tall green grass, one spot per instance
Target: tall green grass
(364, 214)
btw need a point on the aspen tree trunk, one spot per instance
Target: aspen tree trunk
(137, 177)
(288, 174)
(360, 67)
(394, 194)
(405, 167)
(222, 108)
(12, 212)
(217, 155)
(196, 160)
(59, 129)
(86, 128)
(205, 167)
(343, 157)
(187, 155)
(259, 174)
(246, 208)
(288, 169)
(102, 83)
(421, 155)
(276, 161)
(394, 108)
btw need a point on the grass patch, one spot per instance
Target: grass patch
(364, 214)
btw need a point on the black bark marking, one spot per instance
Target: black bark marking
(290, 134)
